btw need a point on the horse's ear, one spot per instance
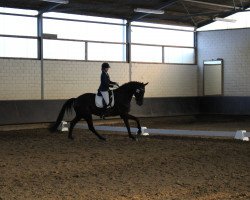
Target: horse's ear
(145, 84)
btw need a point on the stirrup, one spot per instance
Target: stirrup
(102, 116)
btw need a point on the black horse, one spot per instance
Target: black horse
(84, 107)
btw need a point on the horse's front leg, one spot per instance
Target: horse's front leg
(137, 121)
(126, 122)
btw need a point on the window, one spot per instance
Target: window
(80, 37)
(172, 40)
(83, 28)
(141, 53)
(25, 27)
(172, 27)
(18, 47)
(162, 37)
(17, 25)
(101, 51)
(56, 49)
(179, 55)
(18, 11)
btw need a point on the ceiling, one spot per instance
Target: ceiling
(177, 12)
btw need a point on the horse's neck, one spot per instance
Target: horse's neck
(129, 96)
(126, 95)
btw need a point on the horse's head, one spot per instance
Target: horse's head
(139, 93)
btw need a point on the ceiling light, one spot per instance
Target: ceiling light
(58, 1)
(149, 11)
(224, 20)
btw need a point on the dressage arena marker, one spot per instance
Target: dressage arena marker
(239, 134)
(63, 126)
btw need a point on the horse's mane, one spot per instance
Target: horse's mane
(129, 85)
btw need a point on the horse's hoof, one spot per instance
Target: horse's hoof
(55, 132)
(71, 137)
(103, 139)
(139, 132)
(133, 138)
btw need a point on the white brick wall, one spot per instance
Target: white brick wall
(20, 79)
(66, 79)
(167, 80)
(233, 46)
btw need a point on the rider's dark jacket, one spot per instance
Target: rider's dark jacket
(105, 82)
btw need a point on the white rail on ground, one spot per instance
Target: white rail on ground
(239, 134)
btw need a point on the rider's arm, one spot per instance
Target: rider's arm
(111, 84)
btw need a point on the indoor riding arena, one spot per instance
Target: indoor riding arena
(179, 72)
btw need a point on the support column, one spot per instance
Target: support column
(195, 47)
(128, 48)
(128, 41)
(40, 49)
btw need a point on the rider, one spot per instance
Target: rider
(104, 87)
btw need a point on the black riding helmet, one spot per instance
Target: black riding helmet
(105, 65)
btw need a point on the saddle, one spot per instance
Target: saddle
(99, 101)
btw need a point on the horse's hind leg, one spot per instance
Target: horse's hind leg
(72, 125)
(89, 121)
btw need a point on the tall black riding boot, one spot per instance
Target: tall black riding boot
(104, 111)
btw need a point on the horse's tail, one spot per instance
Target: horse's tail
(66, 107)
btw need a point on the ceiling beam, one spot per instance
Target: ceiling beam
(173, 15)
(163, 6)
(212, 4)
(226, 14)
(89, 7)
(189, 14)
(57, 1)
(49, 8)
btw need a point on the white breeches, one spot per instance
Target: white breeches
(105, 96)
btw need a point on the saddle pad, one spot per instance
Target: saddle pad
(99, 100)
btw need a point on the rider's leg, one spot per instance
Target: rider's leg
(105, 95)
